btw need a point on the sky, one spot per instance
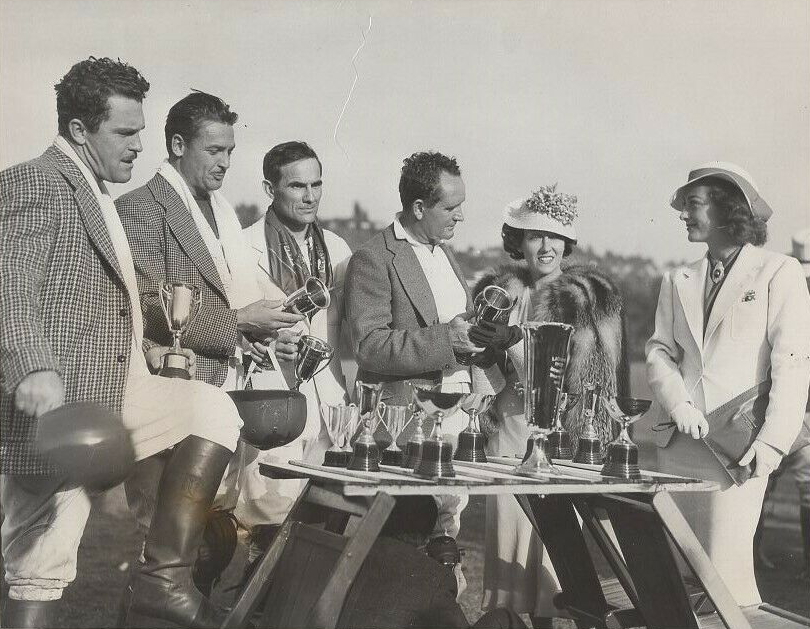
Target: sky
(613, 100)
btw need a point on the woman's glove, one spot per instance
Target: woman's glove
(690, 420)
(767, 458)
(500, 336)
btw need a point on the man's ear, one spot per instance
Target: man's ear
(269, 190)
(418, 209)
(77, 132)
(178, 145)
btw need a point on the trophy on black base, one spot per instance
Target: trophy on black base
(589, 446)
(622, 453)
(437, 454)
(181, 304)
(341, 422)
(470, 440)
(546, 350)
(395, 420)
(366, 453)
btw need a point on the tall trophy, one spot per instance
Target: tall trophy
(546, 347)
(394, 420)
(589, 446)
(311, 297)
(470, 440)
(437, 454)
(341, 422)
(622, 453)
(181, 305)
(314, 355)
(491, 305)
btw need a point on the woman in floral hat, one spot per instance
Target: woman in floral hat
(538, 232)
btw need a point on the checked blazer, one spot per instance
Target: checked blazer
(167, 247)
(63, 306)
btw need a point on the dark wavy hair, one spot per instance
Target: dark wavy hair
(420, 177)
(283, 154)
(513, 242)
(84, 91)
(734, 214)
(188, 115)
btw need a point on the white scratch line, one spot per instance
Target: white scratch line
(354, 83)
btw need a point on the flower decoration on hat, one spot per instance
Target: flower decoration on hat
(557, 205)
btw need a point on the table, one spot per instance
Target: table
(319, 565)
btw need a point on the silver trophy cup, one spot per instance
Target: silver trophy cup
(314, 355)
(181, 305)
(341, 422)
(311, 297)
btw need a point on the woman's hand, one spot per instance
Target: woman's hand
(498, 336)
(690, 420)
(154, 358)
(766, 457)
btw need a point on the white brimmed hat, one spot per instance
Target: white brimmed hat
(545, 210)
(733, 174)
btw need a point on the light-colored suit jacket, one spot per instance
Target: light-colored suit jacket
(396, 334)
(759, 325)
(63, 304)
(167, 247)
(329, 386)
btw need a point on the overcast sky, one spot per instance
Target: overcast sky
(614, 100)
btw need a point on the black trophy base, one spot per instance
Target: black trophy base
(392, 457)
(336, 458)
(470, 447)
(558, 445)
(175, 365)
(413, 452)
(589, 451)
(621, 461)
(366, 458)
(174, 372)
(436, 461)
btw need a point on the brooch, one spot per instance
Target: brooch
(750, 295)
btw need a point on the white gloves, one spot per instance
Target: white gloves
(767, 458)
(690, 420)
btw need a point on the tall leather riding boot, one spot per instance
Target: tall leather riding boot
(39, 614)
(163, 587)
(804, 519)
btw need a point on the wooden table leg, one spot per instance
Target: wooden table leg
(557, 525)
(690, 547)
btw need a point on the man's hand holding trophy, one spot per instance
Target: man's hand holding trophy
(181, 305)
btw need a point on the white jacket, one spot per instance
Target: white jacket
(759, 322)
(328, 386)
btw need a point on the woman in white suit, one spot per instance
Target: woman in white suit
(725, 323)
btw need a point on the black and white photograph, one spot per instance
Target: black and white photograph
(412, 314)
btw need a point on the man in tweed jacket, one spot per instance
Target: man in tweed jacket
(71, 332)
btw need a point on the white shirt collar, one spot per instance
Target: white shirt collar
(400, 233)
(96, 186)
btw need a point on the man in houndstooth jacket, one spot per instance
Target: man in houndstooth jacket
(72, 330)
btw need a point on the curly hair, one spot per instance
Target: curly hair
(513, 242)
(420, 177)
(283, 154)
(734, 213)
(189, 113)
(84, 91)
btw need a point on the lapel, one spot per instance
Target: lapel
(411, 276)
(89, 209)
(747, 264)
(689, 284)
(459, 274)
(258, 243)
(186, 232)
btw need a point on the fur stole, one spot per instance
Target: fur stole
(586, 298)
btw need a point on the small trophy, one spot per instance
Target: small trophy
(622, 453)
(311, 297)
(394, 420)
(341, 422)
(181, 304)
(437, 454)
(589, 446)
(491, 305)
(470, 440)
(314, 355)
(366, 453)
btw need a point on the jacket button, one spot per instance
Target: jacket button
(123, 312)
(121, 358)
(447, 366)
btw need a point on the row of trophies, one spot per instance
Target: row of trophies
(352, 428)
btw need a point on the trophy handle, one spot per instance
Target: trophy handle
(196, 303)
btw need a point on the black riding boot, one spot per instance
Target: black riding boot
(163, 587)
(40, 614)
